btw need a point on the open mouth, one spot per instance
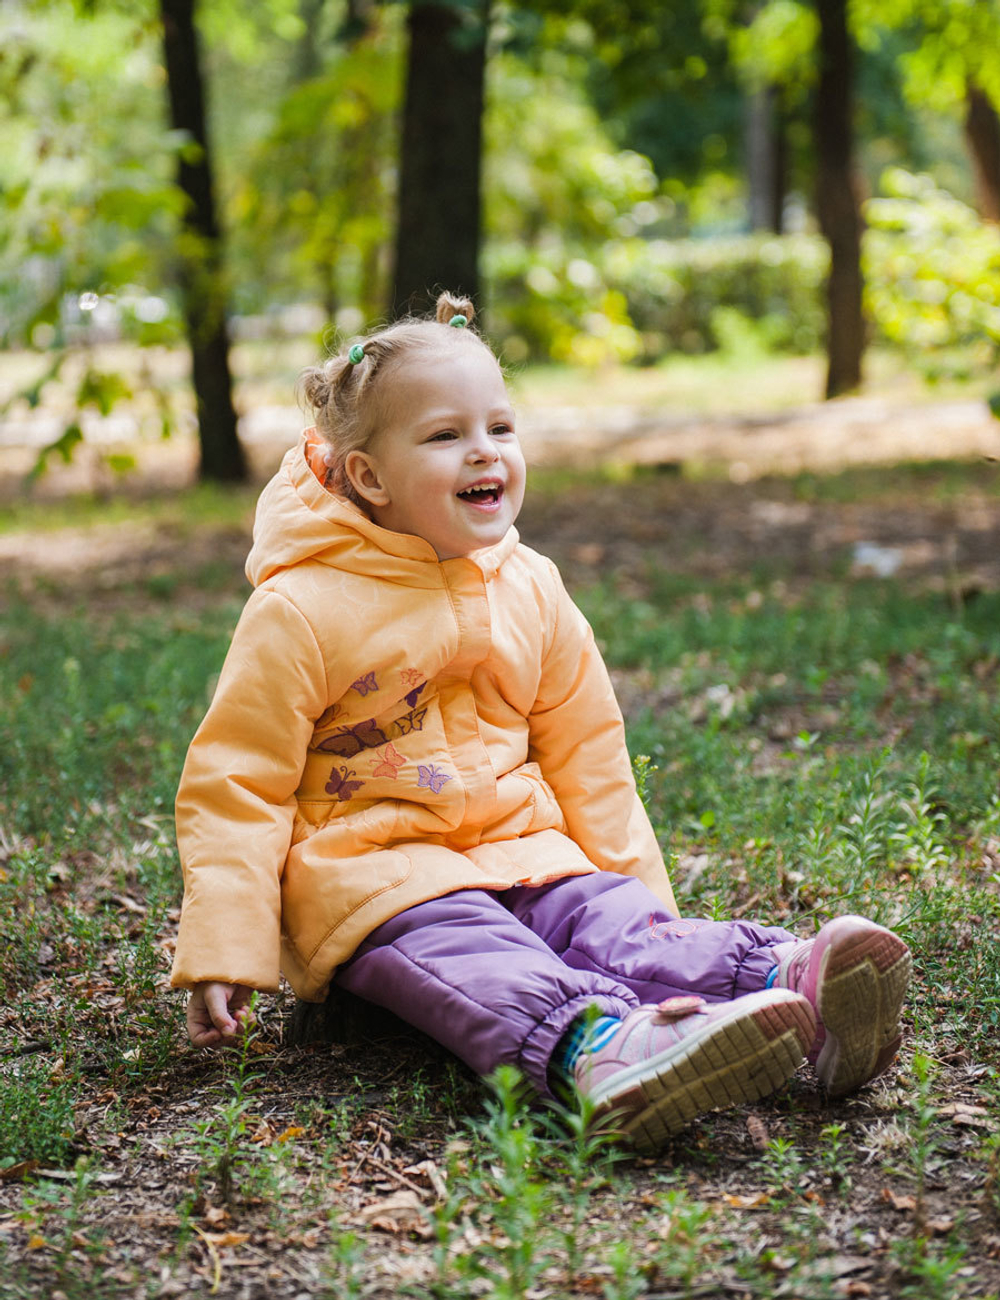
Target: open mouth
(482, 494)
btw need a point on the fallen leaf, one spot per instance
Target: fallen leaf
(215, 1214)
(940, 1227)
(753, 1202)
(13, 1173)
(898, 1202)
(758, 1132)
(225, 1238)
(36, 1242)
(839, 1266)
(263, 1134)
(128, 904)
(974, 1121)
(429, 1170)
(293, 1131)
(401, 1213)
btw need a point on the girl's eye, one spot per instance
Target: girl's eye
(501, 428)
(445, 435)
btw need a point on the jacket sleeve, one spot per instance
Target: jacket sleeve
(577, 737)
(236, 801)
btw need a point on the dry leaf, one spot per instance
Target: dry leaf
(263, 1134)
(746, 1202)
(401, 1213)
(961, 1108)
(839, 1267)
(293, 1131)
(13, 1173)
(940, 1227)
(215, 1214)
(225, 1238)
(758, 1132)
(128, 904)
(36, 1242)
(433, 1174)
(898, 1202)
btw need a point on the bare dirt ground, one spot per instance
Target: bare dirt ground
(715, 495)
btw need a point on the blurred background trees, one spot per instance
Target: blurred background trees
(618, 182)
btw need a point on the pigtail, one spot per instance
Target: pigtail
(448, 307)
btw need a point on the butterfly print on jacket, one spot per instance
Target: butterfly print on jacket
(365, 684)
(349, 741)
(340, 786)
(413, 721)
(414, 695)
(431, 777)
(391, 761)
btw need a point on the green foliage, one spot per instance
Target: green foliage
(96, 721)
(933, 277)
(316, 185)
(558, 194)
(88, 208)
(776, 46)
(36, 1114)
(956, 46)
(56, 1217)
(229, 1162)
(679, 290)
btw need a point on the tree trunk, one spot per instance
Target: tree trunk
(982, 132)
(201, 275)
(438, 233)
(837, 199)
(765, 159)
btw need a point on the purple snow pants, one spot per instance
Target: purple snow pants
(497, 977)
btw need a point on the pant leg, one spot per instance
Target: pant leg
(466, 971)
(615, 925)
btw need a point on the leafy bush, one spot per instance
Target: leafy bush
(932, 268)
(636, 299)
(675, 287)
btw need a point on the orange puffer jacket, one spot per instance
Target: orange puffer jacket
(388, 728)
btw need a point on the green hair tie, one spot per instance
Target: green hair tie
(356, 354)
(459, 322)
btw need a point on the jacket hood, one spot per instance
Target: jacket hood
(298, 520)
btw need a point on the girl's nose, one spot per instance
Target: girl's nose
(483, 450)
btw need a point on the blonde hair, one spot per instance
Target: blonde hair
(350, 398)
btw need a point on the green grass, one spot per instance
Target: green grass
(180, 512)
(813, 749)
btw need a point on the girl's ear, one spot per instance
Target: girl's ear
(362, 474)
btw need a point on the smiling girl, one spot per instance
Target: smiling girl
(413, 782)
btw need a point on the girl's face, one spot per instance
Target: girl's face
(446, 464)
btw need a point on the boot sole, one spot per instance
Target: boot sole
(734, 1059)
(860, 989)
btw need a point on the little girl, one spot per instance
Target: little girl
(413, 782)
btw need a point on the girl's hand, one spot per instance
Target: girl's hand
(218, 1013)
